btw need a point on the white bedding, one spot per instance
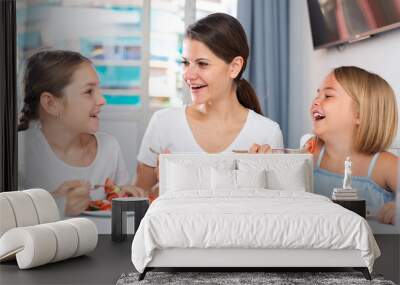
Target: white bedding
(251, 218)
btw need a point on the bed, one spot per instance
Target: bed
(243, 210)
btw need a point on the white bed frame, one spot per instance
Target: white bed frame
(234, 257)
(246, 257)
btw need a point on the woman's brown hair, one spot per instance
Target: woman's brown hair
(375, 102)
(226, 38)
(46, 71)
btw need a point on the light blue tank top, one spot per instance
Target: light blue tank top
(368, 190)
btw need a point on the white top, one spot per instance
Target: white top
(169, 129)
(43, 169)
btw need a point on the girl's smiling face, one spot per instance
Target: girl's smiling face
(82, 100)
(333, 111)
(208, 76)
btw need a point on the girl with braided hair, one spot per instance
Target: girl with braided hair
(65, 154)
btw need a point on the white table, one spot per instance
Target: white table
(382, 229)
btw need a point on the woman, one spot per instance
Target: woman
(225, 114)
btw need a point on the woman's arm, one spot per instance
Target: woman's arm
(143, 183)
(278, 138)
(146, 177)
(147, 161)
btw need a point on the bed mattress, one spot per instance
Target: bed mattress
(250, 219)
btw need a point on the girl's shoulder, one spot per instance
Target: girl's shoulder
(387, 161)
(385, 170)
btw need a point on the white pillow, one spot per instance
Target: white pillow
(282, 174)
(183, 177)
(223, 179)
(228, 179)
(293, 179)
(251, 178)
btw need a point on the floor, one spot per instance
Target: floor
(388, 263)
(111, 259)
(102, 266)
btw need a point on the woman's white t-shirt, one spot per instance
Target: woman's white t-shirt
(43, 169)
(169, 129)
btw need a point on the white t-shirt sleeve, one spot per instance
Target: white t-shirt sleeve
(277, 138)
(262, 130)
(151, 139)
(109, 163)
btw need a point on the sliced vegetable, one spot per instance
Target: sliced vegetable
(312, 145)
(112, 191)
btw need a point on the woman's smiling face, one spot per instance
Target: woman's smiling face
(333, 110)
(208, 76)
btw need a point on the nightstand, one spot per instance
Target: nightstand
(357, 206)
(118, 215)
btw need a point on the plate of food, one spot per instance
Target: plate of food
(97, 213)
(102, 208)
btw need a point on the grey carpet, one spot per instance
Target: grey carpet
(269, 278)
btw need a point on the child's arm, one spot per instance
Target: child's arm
(389, 169)
(387, 213)
(76, 195)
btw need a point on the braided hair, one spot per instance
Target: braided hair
(46, 71)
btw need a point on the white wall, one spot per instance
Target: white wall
(379, 54)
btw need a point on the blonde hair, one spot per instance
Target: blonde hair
(375, 103)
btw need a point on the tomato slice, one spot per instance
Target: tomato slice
(312, 145)
(112, 196)
(105, 207)
(92, 208)
(99, 205)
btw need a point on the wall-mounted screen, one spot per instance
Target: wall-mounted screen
(335, 22)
